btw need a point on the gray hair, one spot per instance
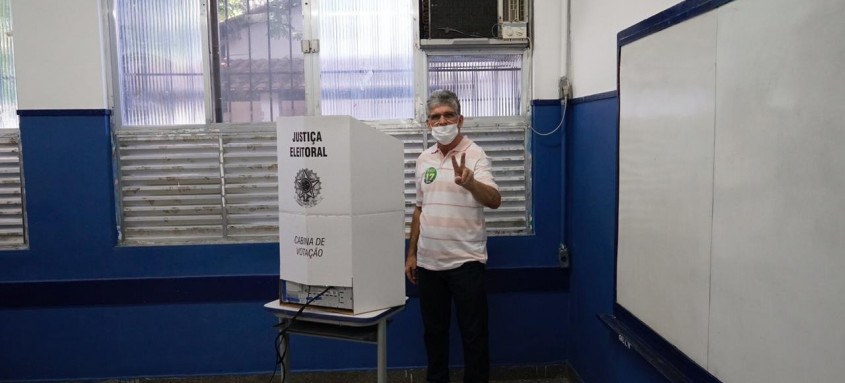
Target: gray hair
(442, 97)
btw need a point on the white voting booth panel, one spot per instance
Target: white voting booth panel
(338, 165)
(362, 252)
(341, 213)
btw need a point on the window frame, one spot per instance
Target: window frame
(311, 63)
(8, 35)
(12, 160)
(525, 71)
(474, 123)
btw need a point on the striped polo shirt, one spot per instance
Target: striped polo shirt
(452, 229)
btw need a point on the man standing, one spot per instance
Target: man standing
(448, 245)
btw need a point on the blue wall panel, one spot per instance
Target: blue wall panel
(591, 201)
(516, 321)
(68, 171)
(76, 305)
(97, 342)
(595, 352)
(529, 328)
(237, 338)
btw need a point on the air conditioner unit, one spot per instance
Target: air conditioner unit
(474, 19)
(513, 19)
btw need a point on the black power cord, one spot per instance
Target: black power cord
(280, 338)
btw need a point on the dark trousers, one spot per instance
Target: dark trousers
(465, 287)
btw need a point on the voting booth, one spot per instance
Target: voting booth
(341, 214)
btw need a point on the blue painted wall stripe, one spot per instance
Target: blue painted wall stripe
(549, 102)
(63, 112)
(237, 288)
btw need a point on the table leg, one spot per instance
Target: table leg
(382, 351)
(284, 348)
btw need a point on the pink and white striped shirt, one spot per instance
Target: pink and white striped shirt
(452, 229)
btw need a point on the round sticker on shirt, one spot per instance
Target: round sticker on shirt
(430, 175)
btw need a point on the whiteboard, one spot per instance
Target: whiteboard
(665, 181)
(731, 236)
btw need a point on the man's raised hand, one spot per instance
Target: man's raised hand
(463, 175)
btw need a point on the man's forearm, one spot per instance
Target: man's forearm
(485, 194)
(415, 232)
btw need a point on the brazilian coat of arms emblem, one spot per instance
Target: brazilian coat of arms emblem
(307, 186)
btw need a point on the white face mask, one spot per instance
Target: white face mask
(445, 134)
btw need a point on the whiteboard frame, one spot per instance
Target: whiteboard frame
(632, 332)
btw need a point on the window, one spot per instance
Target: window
(258, 67)
(366, 59)
(488, 84)
(159, 58)
(196, 143)
(8, 94)
(261, 65)
(12, 217)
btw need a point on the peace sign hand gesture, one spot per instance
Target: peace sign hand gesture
(463, 175)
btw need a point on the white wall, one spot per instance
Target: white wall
(59, 55)
(595, 24)
(59, 51)
(549, 44)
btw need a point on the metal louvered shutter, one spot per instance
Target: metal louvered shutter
(413, 137)
(251, 184)
(504, 142)
(198, 185)
(170, 186)
(12, 221)
(219, 183)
